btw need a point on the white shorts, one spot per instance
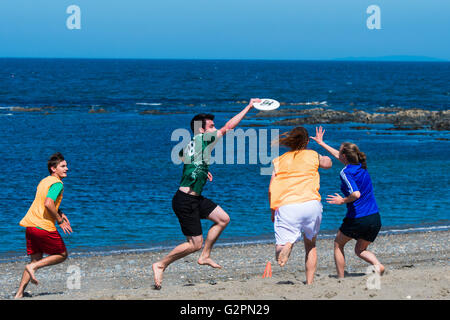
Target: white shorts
(292, 219)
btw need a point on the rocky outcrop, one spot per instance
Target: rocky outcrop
(22, 109)
(408, 118)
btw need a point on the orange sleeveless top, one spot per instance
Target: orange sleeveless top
(296, 178)
(38, 215)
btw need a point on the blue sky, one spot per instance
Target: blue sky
(224, 29)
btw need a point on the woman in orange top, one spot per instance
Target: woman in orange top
(294, 198)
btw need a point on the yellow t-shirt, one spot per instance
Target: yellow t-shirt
(296, 178)
(38, 215)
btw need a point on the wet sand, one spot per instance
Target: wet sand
(417, 267)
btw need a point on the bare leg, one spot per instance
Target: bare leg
(191, 245)
(26, 277)
(32, 267)
(282, 253)
(221, 220)
(362, 252)
(339, 257)
(310, 259)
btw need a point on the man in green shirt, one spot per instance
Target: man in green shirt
(188, 203)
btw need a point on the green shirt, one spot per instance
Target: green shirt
(55, 190)
(196, 156)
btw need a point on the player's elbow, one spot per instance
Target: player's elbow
(325, 162)
(356, 194)
(49, 203)
(223, 131)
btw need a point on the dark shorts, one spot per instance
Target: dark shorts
(189, 210)
(365, 228)
(42, 241)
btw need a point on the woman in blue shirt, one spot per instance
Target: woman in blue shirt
(362, 221)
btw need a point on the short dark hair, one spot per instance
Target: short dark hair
(201, 117)
(54, 160)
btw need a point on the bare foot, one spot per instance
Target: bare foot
(157, 275)
(208, 262)
(284, 254)
(379, 268)
(18, 296)
(29, 268)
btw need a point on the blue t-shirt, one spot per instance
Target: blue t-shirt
(355, 178)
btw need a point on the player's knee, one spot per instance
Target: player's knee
(64, 255)
(358, 251)
(196, 244)
(225, 220)
(337, 245)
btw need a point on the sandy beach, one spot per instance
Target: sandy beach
(417, 268)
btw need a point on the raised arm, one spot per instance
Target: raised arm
(319, 139)
(233, 122)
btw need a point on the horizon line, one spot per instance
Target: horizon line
(395, 58)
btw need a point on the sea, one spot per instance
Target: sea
(122, 172)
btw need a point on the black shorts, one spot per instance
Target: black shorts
(189, 210)
(365, 228)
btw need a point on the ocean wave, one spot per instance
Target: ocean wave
(313, 103)
(148, 104)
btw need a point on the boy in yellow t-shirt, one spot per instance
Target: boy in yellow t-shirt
(41, 234)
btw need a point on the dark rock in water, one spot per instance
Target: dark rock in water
(410, 119)
(441, 124)
(404, 128)
(389, 109)
(21, 109)
(417, 134)
(281, 112)
(361, 128)
(159, 112)
(101, 110)
(253, 125)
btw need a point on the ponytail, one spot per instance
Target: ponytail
(362, 159)
(354, 155)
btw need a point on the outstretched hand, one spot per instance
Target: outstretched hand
(336, 199)
(210, 176)
(65, 225)
(319, 135)
(252, 101)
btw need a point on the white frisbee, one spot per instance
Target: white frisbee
(267, 104)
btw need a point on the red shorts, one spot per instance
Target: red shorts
(42, 241)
